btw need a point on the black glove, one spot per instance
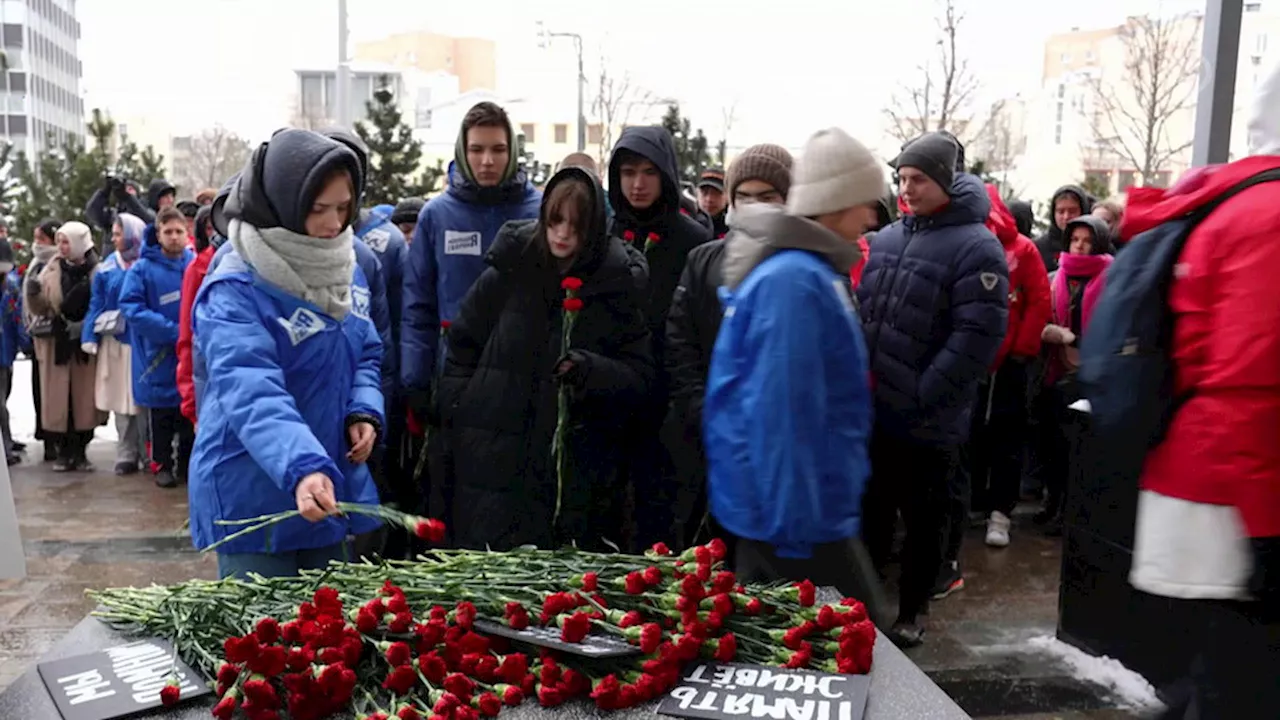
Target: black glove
(572, 369)
(1264, 584)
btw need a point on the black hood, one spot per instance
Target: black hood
(1101, 234)
(653, 143)
(1023, 216)
(1086, 205)
(158, 188)
(202, 219)
(218, 210)
(357, 146)
(521, 239)
(283, 178)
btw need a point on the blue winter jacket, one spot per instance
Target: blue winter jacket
(454, 233)
(13, 333)
(788, 408)
(108, 279)
(282, 378)
(150, 298)
(384, 238)
(934, 304)
(376, 277)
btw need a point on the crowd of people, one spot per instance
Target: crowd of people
(785, 354)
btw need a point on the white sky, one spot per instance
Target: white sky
(791, 66)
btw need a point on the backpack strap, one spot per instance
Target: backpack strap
(1198, 215)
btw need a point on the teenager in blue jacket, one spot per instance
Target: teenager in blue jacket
(106, 334)
(150, 299)
(12, 337)
(290, 406)
(455, 230)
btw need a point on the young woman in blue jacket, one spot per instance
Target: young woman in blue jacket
(290, 405)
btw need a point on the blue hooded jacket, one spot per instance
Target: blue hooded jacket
(934, 300)
(13, 333)
(788, 406)
(454, 233)
(282, 379)
(376, 276)
(384, 238)
(108, 280)
(150, 298)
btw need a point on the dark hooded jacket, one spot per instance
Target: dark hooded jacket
(677, 233)
(934, 305)
(1050, 244)
(498, 396)
(1024, 216)
(104, 218)
(156, 190)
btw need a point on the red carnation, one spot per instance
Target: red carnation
(635, 584)
(226, 707)
(430, 529)
(240, 649)
(433, 668)
(754, 607)
(806, 593)
(718, 549)
(465, 614)
(550, 672)
(270, 661)
(691, 587)
(633, 617)
(653, 237)
(722, 604)
(590, 582)
(409, 713)
(571, 283)
(650, 638)
(489, 704)
(702, 555)
(399, 654)
(660, 548)
(512, 695)
(459, 685)
(398, 604)
(724, 581)
(327, 602)
(446, 704)
(514, 667)
(400, 680)
(573, 304)
(574, 628)
(367, 621)
(652, 575)
(550, 696)
(228, 674)
(267, 630)
(801, 657)
(401, 623)
(298, 660)
(607, 692)
(170, 694)
(628, 235)
(261, 693)
(727, 648)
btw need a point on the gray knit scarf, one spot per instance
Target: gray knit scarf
(317, 270)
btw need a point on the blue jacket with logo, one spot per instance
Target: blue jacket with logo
(13, 333)
(385, 239)
(934, 299)
(281, 379)
(454, 233)
(108, 279)
(150, 298)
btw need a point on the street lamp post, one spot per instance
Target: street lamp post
(342, 80)
(544, 41)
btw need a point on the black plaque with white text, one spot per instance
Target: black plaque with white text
(119, 681)
(717, 691)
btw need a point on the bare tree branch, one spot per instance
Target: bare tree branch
(213, 156)
(1133, 112)
(616, 98)
(941, 100)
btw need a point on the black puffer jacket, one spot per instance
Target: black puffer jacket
(498, 396)
(1050, 244)
(677, 233)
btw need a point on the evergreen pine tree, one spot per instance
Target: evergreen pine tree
(395, 156)
(692, 148)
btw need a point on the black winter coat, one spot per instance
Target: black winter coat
(498, 396)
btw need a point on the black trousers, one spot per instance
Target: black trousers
(650, 477)
(35, 396)
(844, 565)
(1055, 443)
(166, 425)
(1236, 666)
(915, 479)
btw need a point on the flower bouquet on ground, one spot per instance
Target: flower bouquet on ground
(399, 639)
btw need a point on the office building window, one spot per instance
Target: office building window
(562, 133)
(1252, 6)
(1057, 134)
(1128, 178)
(595, 133)
(527, 130)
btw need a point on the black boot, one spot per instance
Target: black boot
(66, 458)
(82, 445)
(165, 479)
(51, 442)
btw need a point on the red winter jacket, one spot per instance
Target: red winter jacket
(192, 278)
(1030, 306)
(1222, 447)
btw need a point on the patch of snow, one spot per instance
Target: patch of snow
(22, 410)
(1126, 686)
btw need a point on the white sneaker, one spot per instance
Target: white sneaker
(998, 530)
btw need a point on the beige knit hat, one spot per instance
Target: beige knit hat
(80, 238)
(768, 163)
(835, 172)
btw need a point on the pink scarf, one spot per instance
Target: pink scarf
(1086, 266)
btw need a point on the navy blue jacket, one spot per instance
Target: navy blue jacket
(150, 298)
(934, 302)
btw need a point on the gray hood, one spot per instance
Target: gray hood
(759, 230)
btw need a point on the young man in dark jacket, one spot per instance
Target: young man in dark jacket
(644, 190)
(761, 174)
(934, 305)
(1068, 203)
(713, 201)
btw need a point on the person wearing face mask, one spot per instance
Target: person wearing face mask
(43, 249)
(150, 299)
(507, 366)
(788, 403)
(761, 174)
(67, 373)
(289, 401)
(12, 336)
(106, 335)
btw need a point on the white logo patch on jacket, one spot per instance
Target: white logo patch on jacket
(301, 325)
(989, 280)
(360, 302)
(377, 240)
(461, 243)
(172, 297)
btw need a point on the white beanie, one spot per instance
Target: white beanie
(79, 236)
(834, 173)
